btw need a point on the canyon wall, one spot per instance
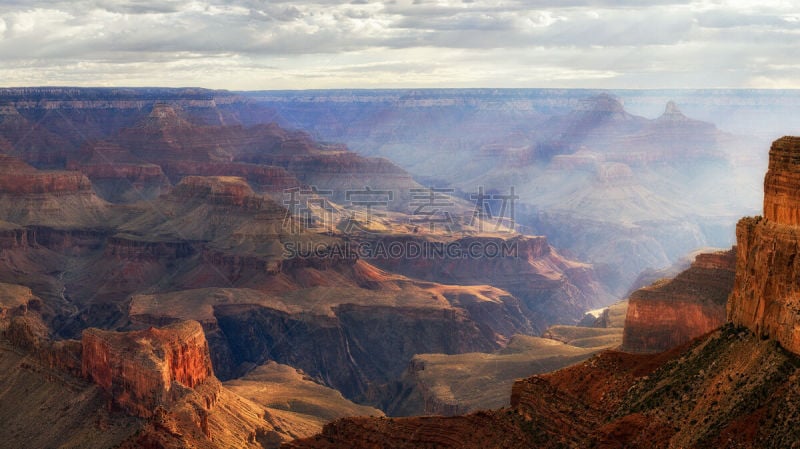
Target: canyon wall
(139, 369)
(671, 312)
(766, 291)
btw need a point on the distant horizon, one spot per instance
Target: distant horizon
(366, 89)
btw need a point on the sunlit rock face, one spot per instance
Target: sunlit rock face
(765, 294)
(782, 183)
(139, 369)
(672, 312)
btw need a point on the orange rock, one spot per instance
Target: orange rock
(20, 178)
(782, 183)
(668, 314)
(766, 291)
(140, 369)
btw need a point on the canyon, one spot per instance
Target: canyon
(185, 269)
(728, 386)
(159, 208)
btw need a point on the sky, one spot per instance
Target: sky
(255, 44)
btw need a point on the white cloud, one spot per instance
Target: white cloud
(250, 44)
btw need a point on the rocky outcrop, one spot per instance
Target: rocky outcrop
(20, 178)
(16, 300)
(29, 333)
(40, 384)
(222, 190)
(764, 294)
(140, 369)
(265, 178)
(671, 312)
(767, 277)
(782, 182)
(31, 196)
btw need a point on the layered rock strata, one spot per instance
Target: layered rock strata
(766, 291)
(139, 369)
(671, 312)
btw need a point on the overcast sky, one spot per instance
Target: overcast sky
(255, 44)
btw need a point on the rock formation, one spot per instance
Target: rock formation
(782, 182)
(139, 369)
(20, 178)
(31, 196)
(672, 312)
(151, 388)
(225, 190)
(117, 175)
(765, 293)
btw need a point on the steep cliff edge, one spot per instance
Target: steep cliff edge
(164, 375)
(765, 292)
(138, 368)
(671, 312)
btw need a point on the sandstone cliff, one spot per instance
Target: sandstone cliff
(767, 280)
(139, 369)
(159, 382)
(671, 312)
(20, 178)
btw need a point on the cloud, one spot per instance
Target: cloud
(437, 43)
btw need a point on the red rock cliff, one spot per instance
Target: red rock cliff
(140, 369)
(670, 313)
(766, 292)
(782, 183)
(20, 178)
